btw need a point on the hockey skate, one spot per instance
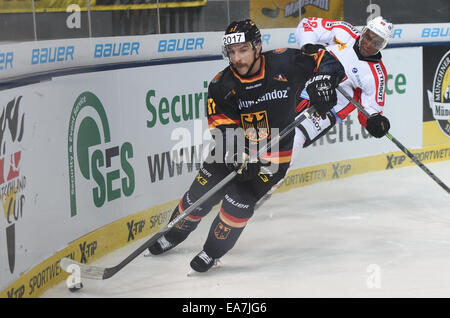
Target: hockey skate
(160, 246)
(174, 236)
(202, 262)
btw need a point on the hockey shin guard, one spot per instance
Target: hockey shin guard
(178, 233)
(221, 238)
(182, 230)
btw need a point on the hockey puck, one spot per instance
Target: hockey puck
(76, 287)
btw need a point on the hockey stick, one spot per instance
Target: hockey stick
(97, 272)
(396, 142)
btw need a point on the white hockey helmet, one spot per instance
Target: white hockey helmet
(381, 27)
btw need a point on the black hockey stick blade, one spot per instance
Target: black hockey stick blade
(396, 142)
(97, 272)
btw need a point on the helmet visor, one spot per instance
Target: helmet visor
(370, 43)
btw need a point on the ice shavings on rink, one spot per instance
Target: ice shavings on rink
(380, 234)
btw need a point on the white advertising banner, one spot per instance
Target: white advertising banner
(28, 58)
(81, 151)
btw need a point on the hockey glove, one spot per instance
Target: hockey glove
(240, 162)
(378, 125)
(321, 89)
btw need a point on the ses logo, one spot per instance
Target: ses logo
(439, 98)
(105, 164)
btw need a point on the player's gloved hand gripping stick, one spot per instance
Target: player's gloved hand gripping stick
(97, 272)
(396, 142)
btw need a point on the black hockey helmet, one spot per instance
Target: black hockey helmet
(246, 27)
(242, 32)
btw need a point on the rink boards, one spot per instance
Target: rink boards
(90, 160)
(37, 57)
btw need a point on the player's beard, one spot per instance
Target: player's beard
(247, 67)
(241, 68)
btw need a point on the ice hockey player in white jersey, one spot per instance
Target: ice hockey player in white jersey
(359, 53)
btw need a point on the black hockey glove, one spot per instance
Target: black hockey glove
(321, 89)
(378, 125)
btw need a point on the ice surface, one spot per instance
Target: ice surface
(380, 234)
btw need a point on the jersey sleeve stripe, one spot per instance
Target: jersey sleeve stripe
(339, 25)
(379, 74)
(221, 119)
(278, 157)
(319, 59)
(343, 113)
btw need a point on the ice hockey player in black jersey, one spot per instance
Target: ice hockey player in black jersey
(249, 102)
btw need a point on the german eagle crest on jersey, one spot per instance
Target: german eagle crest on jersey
(255, 125)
